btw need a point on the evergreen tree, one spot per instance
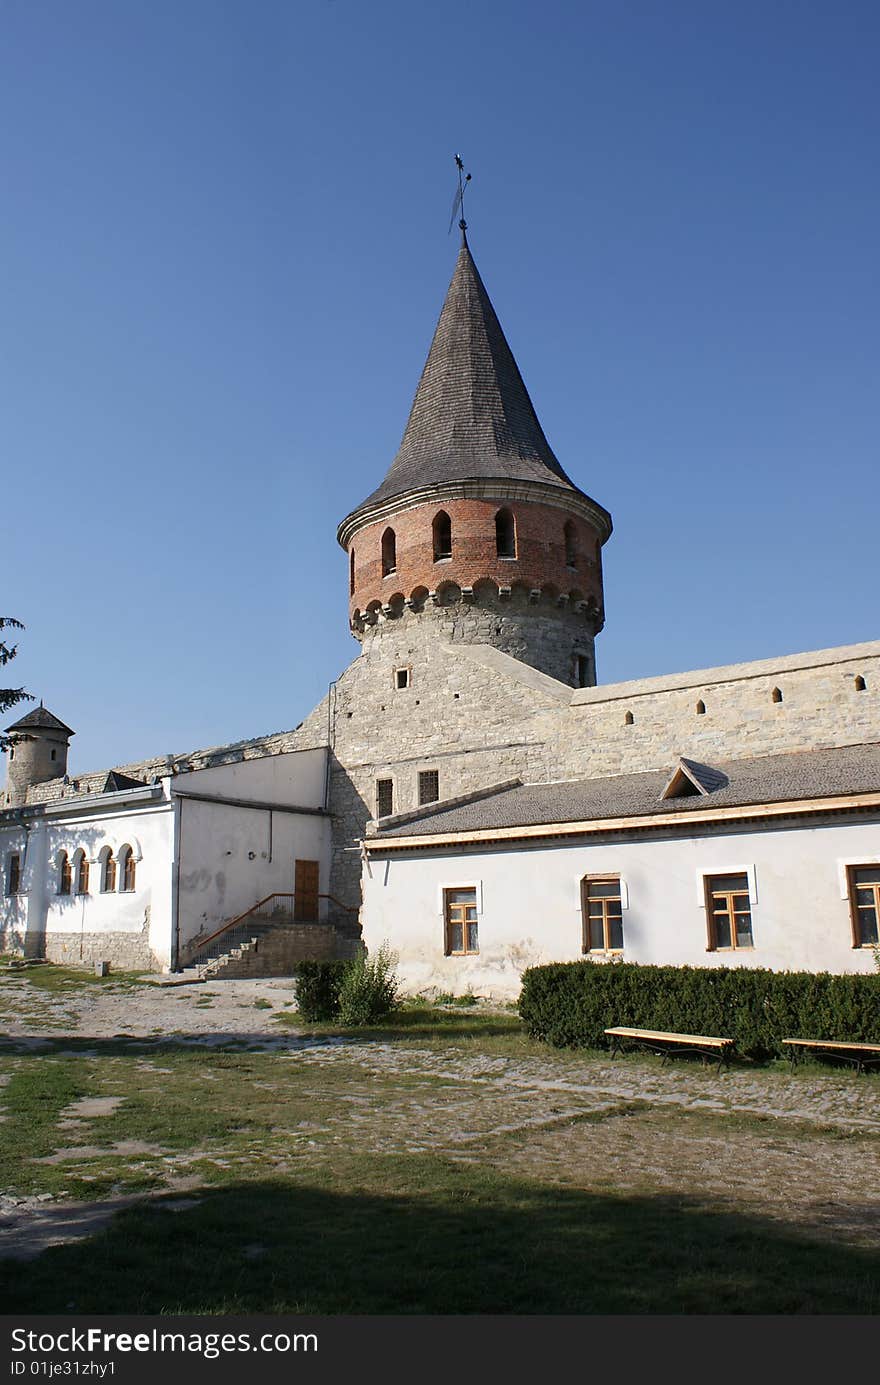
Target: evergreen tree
(9, 697)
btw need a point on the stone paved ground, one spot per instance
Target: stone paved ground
(802, 1148)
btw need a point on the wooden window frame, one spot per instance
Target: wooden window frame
(108, 874)
(128, 873)
(82, 875)
(65, 875)
(729, 895)
(853, 902)
(586, 882)
(449, 922)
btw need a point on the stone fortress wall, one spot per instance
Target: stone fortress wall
(479, 717)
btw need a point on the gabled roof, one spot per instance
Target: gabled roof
(800, 775)
(690, 777)
(116, 781)
(40, 720)
(472, 416)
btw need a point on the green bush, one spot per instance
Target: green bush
(369, 988)
(570, 1004)
(317, 989)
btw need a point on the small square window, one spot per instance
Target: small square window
(460, 922)
(429, 786)
(401, 678)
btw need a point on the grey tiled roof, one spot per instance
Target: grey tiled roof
(40, 720)
(471, 416)
(807, 774)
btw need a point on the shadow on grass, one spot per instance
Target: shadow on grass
(448, 1239)
(289, 1032)
(417, 1022)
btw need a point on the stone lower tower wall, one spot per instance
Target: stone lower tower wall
(536, 627)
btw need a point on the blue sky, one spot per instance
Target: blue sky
(224, 251)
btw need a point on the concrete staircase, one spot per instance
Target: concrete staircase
(271, 949)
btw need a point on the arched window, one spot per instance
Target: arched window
(776, 694)
(108, 871)
(569, 534)
(701, 708)
(389, 553)
(351, 573)
(81, 862)
(505, 534)
(442, 534)
(127, 867)
(628, 719)
(861, 685)
(65, 874)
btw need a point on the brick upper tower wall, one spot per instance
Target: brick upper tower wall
(540, 562)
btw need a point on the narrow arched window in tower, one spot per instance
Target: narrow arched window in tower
(505, 534)
(570, 535)
(389, 553)
(776, 694)
(861, 685)
(65, 874)
(351, 573)
(628, 719)
(701, 708)
(441, 531)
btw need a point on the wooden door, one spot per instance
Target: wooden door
(305, 904)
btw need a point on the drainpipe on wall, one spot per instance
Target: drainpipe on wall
(331, 738)
(175, 892)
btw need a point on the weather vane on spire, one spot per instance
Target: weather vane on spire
(458, 200)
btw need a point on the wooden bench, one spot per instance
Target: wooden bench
(658, 1041)
(860, 1055)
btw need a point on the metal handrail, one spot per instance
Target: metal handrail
(228, 934)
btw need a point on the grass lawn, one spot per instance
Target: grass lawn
(343, 1178)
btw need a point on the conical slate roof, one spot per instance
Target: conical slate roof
(40, 720)
(471, 416)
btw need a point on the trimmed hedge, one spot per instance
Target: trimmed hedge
(317, 988)
(569, 1004)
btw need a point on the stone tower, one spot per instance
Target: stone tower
(476, 528)
(38, 751)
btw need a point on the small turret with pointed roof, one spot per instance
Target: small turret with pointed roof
(38, 746)
(476, 510)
